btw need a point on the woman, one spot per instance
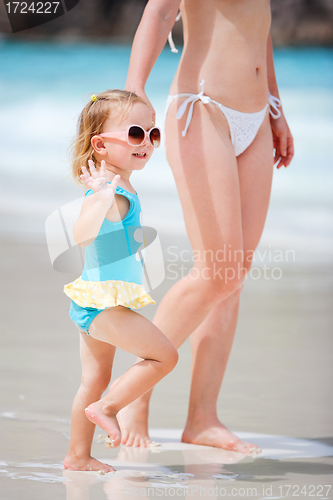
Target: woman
(220, 148)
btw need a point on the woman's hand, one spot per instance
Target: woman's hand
(283, 141)
(97, 181)
(142, 94)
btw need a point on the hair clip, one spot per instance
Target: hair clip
(93, 98)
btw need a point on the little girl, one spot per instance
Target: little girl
(116, 132)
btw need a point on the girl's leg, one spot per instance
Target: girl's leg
(97, 359)
(133, 333)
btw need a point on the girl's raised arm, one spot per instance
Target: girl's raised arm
(96, 206)
(152, 33)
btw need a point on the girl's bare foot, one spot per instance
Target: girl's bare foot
(133, 421)
(86, 464)
(217, 435)
(106, 421)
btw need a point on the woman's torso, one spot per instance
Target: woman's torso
(225, 44)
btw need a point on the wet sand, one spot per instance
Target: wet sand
(278, 382)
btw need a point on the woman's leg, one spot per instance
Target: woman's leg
(97, 359)
(133, 333)
(205, 170)
(211, 342)
(216, 332)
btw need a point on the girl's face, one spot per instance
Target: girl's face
(117, 152)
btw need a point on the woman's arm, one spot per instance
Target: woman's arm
(282, 138)
(152, 33)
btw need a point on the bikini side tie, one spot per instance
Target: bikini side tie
(274, 103)
(191, 100)
(170, 39)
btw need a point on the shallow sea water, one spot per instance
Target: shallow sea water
(45, 85)
(169, 469)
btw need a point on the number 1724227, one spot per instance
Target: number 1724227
(32, 7)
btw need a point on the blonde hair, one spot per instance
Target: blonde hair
(114, 104)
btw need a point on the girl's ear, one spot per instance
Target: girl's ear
(98, 145)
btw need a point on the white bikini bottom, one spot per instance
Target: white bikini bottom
(243, 126)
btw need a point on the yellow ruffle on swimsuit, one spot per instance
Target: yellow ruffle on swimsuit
(103, 294)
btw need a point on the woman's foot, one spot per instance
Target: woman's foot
(133, 421)
(217, 435)
(106, 420)
(86, 464)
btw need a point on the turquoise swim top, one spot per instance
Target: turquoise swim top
(113, 267)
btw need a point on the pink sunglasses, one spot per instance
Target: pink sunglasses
(136, 135)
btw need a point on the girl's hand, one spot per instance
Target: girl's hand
(97, 181)
(283, 141)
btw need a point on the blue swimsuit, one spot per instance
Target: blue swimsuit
(113, 268)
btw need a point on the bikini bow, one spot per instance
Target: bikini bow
(191, 100)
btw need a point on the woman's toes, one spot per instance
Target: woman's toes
(136, 442)
(143, 443)
(241, 447)
(129, 441)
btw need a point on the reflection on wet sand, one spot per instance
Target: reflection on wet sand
(189, 471)
(177, 473)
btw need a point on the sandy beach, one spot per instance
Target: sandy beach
(278, 380)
